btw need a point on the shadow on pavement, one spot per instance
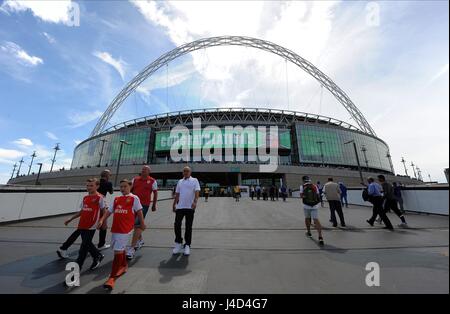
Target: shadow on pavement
(175, 266)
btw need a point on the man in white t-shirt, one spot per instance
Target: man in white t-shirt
(186, 196)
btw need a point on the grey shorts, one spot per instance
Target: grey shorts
(311, 211)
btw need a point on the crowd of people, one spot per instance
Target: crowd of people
(130, 209)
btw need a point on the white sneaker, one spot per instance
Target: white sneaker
(178, 248)
(104, 247)
(140, 244)
(62, 254)
(187, 250)
(130, 253)
(403, 225)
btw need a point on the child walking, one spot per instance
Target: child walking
(125, 209)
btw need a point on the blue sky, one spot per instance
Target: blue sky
(56, 79)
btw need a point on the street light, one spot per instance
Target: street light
(122, 142)
(101, 151)
(404, 165)
(389, 157)
(39, 173)
(357, 159)
(419, 173)
(321, 152)
(56, 148)
(20, 166)
(14, 170)
(364, 150)
(414, 170)
(31, 163)
(429, 178)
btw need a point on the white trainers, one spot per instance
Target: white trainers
(62, 254)
(130, 253)
(178, 248)
(187, 250)
(104, 247)
(403, 225)
(140, 244)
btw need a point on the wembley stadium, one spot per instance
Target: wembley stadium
(307, 144)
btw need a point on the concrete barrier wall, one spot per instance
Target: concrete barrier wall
(430, 201)
(422, 200)
(20, 204)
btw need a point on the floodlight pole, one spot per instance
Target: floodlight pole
(20, 166)
(31, 163)
(122, 142)
(101, 151)
(357, 159)
(39, 173)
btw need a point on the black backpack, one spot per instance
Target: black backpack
(365, 195)
(310, 196)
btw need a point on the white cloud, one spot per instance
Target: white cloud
(21, 56)
(178, 74)
(77, 141)
(47, 10)
(49, 38)
(80, 118)
(118, 64)
(23, 142)
(51, 135)
(10, 155)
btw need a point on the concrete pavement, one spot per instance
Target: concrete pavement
(242, 247)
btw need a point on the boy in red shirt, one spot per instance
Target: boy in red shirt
(125, 209)
(91, 206)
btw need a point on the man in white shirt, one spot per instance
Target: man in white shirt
(186, 196)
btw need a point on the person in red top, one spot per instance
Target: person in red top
(143, 187)
(125, 209)
(89, 215)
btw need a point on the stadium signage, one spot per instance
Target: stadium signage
(230, 144)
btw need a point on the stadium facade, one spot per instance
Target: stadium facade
(306, 144)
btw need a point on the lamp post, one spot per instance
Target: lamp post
(14, 170)
(321, 152)
(364, 150)
(357, 159)
(404, 165)
(414, 170)
(122, 142)
(31, 163)
(419, 173)
(56, 148)
(389, 157)
(101, 151)
(20, 166)
(39, 173)
(429, 177)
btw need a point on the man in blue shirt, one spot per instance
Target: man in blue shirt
(343, 194)
(376, 198)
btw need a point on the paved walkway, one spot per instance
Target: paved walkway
(245, 247)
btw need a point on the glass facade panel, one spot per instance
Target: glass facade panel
(312, 144)
(317, 144)
(88, 154)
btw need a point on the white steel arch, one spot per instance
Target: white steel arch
(289, 55)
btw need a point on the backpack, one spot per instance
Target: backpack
(310, 196)
(365, 195)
